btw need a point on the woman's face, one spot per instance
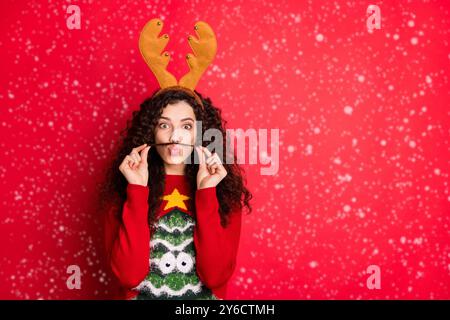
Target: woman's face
(176, 124)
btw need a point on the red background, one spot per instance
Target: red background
(353, 189)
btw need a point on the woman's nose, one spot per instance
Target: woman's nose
(175, 137)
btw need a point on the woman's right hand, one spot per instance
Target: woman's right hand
(134, 166)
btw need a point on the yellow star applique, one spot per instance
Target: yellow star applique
(175, 199)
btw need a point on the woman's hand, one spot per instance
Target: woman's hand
(134, 166)
(211, 170)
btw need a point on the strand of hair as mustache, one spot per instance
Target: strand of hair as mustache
(169, 143)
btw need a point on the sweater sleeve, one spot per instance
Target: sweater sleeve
(216, 246)
(128, 241)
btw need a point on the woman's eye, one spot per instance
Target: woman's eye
(163, 125)
(187, 127)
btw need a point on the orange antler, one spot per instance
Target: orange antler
(204, 49)
(151, 46)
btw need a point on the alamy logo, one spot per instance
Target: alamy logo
(374, 19)
(74, 280)
(374, 280)
(262, 147)
(74, 20)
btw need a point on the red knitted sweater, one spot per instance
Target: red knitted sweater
(128, 241)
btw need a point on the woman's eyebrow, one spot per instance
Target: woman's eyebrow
(184, 119)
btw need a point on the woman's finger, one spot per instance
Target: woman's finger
(217, 164)
(128, 158)
(213, 161)
(218, 158)
(129, 161)
(207, 152)
(211, 170)
(135, 157)
(141, 147)
(135, 162)
(201, 155)
(214, 166)
(215, 157)
(221, 169)
(144, 154)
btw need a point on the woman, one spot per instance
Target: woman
(173, 227)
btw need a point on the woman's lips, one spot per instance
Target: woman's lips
(174, 150)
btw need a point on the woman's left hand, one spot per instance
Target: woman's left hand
(210, 170)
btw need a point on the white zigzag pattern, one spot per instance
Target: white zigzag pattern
(170, 230)
(166, 289)
(170, 246)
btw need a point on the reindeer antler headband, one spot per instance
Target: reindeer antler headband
(151, 46)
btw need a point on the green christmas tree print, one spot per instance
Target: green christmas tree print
(173, 272)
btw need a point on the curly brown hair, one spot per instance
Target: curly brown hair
(231, 192)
